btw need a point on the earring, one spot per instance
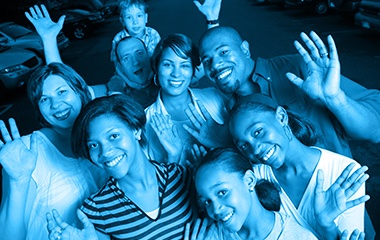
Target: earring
(288, 132)
(155, 80)
(251, 188)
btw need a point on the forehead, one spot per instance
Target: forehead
(129, 46)
(169, 54)
(54, 81)
(215, 41)
(133, 9)
(103, 122)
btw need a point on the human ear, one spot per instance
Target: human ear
(121, 21)
(244, 46)
(146, 18)
(137, 134)
(282, 116)
(250, 180)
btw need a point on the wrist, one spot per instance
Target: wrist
(212, 22)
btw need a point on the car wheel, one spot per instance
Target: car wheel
(79, 31)
(321, 8)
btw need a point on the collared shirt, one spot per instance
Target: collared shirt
(150, 38)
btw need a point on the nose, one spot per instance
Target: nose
(215, 63)
(106, 149)
(135, 20)
(55, 102)
(216, 208)
(175, 72)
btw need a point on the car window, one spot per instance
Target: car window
(14, 30)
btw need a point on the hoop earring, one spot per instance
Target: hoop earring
(155, 80)
(288, 132)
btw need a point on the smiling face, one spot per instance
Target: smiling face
(112, 145)
(134, 61)
(260, 136)
(174, 73)
(224, 57)
(134, 19)
(225, 196)
(59, 104)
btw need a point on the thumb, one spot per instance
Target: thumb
(294, 79)
(84, 219)
(34, 143)
(61, 20)
(197, 3)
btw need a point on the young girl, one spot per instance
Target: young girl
(40, 171)
(143, 199)
(174, 62)
(266, 133)
(232, 195)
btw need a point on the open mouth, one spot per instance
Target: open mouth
(138, 72)
(176, 83)
(223, 74)
(269, 153)
(62, 115)
(114, 162)
(227, 217)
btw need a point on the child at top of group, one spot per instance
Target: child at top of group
(230, 193)
(134, 17)
(40, 171)
(174, 62)
(283, 143)
(142, 199)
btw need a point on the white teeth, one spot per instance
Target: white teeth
(62, 114)
(176, 83)
(226, 218)
(269, 154)
(224, 74)
(113, 162)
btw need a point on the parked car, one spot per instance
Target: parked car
(78, 23)
(14, 35)
(368, 16)
(16, 65)
(347, 8)
(89, 5)
(320, 7)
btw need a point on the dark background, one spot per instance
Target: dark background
(269, 29)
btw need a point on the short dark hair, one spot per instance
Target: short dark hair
(181, 45)
(121, 106)
(232, 161)
(73, 79)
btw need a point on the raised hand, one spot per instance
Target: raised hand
(209, 8)
(168, 135)
(17, 160)
(198, 152)
(334, 201)
(323, 80)
(58, 229)
(355, 235)
(45, 27)
(205, 129)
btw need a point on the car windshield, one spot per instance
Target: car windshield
(14, 30)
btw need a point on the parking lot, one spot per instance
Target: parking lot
(269, 29)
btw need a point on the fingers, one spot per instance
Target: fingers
(44, 11)
(50, 222)
(187, 232)
(343, 176)
(320, 180)
(310, 45)
(204, 111)
(305, 55)
(353, 183)
(322, 51)
(13, 127)
(294, 79)
(194, 116)
(333, 50)
(59, 220)
(4, 132)
(357, 201)
(191, 131)
(160, 123)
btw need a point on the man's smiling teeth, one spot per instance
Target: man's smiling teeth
(269, 153)
(224, 74)
(226, 218)
(63, 114)
(113, 162)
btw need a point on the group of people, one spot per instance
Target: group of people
(260, 152)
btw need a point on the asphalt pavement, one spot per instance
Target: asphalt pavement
(269, 29)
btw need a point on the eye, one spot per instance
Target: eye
(222, 192)
(42, 100)
(186, 65)
(62, 91)
(206, 202)
(92, 145)
(125, 58)
(140, 53)
(243, 146)
(140, 15)
(206, 62)
(224, 52)
(257, 132)
(114, 136)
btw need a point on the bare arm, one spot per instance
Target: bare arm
(359, 119)
(18, 163)
(48, 31)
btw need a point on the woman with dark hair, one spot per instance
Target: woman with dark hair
(40, 171)
(243, 206)
(317, 189)
(142, 199)
(174, 63)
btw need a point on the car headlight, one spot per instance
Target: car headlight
(11, 69)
